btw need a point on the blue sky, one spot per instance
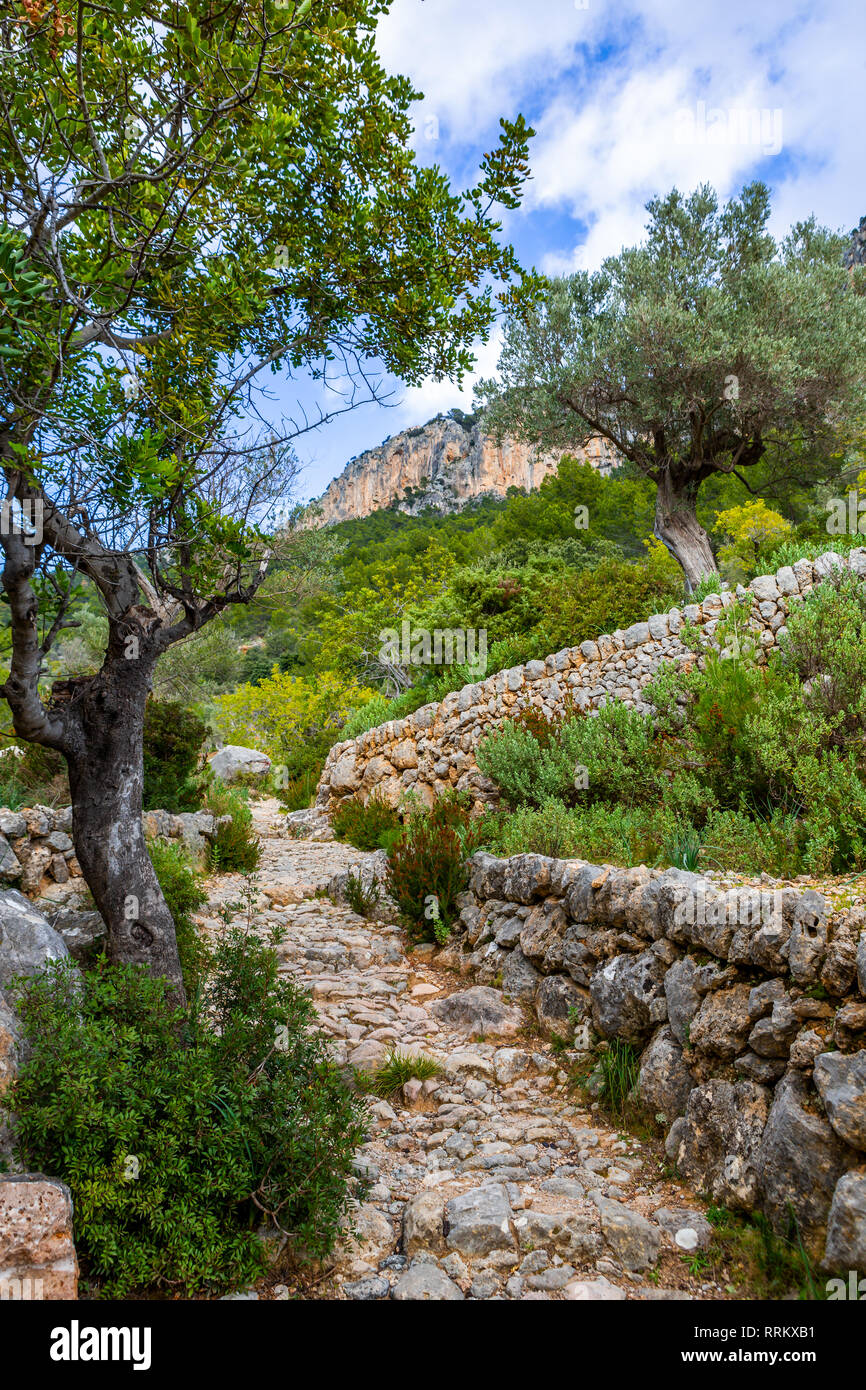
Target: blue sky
(628, 98)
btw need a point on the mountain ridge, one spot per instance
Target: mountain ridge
(441, 465)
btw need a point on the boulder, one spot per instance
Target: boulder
(722, 1023)
(520, 979)
(479, 1221)
(564, 1233)
(37, 1253)
(622, 992)
(27, 943)
(479, 1010)
(423, 1223)
(665, 1081)
(800, 1158)
(554, 1002)
(841, 1081)
(719, 1140)
(846, 1224)
(233, 761)
(634, 1241)
(368, 1239)
(426, 1282)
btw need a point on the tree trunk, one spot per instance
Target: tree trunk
(677, 526)
(104, 720)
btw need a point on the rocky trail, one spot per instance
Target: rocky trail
(494, 1179)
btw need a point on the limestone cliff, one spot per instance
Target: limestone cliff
(443, 464)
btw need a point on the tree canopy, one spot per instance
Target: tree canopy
(707, 349)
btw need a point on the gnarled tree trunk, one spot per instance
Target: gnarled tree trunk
(677, 526)
(104, 718)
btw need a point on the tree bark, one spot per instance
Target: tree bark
(103, 717)
(677, 526)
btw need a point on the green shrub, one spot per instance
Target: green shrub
(173, 739)
(427, 865)
(360, 899)
(620, 1072)
(235, 848)
(391, 1075)
(605, 756)
(601, 833)
(364, 825)
(177, 1133)
(299, 791)
(182, 890)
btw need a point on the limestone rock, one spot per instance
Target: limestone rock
(800, 1158)
(722, 1023)
(720, 1138)
(480, 1010)
(634, 1241)
(423, 1223)
(554, 1002)
(426, 1282)
(622, 992)
(36, 1236)
(665, 1081)
(479, 1221)
(27, 943)
(233, 761)
(841, 1080)
(846, 1224)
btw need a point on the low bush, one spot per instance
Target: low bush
(364, 825)
(391, 1075)
(427, 866)
(234, 848)
(183, 892)
(362, 900)
(605, 756)
(179, 1133)
(173, 739)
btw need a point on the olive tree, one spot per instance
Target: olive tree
(707, 349)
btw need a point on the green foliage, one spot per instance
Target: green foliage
(603, 833)
(535, 761)
(364, 824)
(427, 866)
(702, 319)
(362, 900)
(173, 739)
(390, 1076)
(234, 847)
(620, 1070)
(184, 895)
(177, 1133)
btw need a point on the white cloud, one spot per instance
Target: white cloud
(420, 403)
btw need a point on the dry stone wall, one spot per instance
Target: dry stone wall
(434, 748)
(747, 1008)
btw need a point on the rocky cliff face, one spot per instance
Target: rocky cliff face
(443, 464)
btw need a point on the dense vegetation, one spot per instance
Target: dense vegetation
(181, 1132)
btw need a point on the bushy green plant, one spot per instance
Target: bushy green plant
(391, 1075)
(360, 899)
(427, 865)
(364, 824)
(604, 756)
(179, 1133)
(234, 848)
(601, 833)
(184, 894)
(173, 739)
